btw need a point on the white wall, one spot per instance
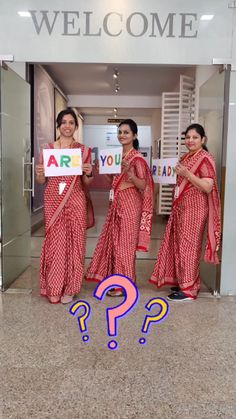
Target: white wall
(203, 73)
(155, 129)
(103, 136)
(102, 120)
(183, 39)
(211, 102)
(114, 101)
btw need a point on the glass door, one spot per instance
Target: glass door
(212, 100)
(15, 175)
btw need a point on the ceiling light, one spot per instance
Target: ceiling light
(206, 17)
(24, 14)
(116, 73)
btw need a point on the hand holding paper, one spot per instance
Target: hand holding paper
(39, 169)
(62, 162)
(87, 169)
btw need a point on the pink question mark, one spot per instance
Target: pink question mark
(130, 301)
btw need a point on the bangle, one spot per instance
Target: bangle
(91, 175)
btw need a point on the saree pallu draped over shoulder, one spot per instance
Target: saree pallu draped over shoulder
(127, 227)
(179, 257)
(67, 216)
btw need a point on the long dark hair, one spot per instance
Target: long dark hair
(133, 126)
(61, 115)
(200, 130)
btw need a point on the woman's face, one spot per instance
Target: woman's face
(193, 141)
(125, 135)
(67, 127)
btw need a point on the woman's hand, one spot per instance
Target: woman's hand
(40, 174)
(96, 165)
(130, 170)
(39, 169)
(131, 174)
(125, 166)
(182, 171)
(87, 173)
(204, 184)
(87, 169)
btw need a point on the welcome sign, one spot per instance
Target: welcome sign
(163, 170)
(62, 162)
(167, 32)
(110, 160)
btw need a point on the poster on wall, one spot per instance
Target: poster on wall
(111, 137)
(44, 125)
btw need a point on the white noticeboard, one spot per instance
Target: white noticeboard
(62, 162)
(163, 170)
(110, 160)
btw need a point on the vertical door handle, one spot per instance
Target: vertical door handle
(25, 164)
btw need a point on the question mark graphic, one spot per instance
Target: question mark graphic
(81, 319)
(112, 314)
(163, 313)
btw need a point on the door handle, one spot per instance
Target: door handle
(25, 164)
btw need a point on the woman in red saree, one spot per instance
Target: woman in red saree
(129, 220)
(196, 203)
(66, 220)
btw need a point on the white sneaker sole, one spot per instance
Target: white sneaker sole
(181, 301)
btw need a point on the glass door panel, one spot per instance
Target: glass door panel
(15, 150)
(211, 116)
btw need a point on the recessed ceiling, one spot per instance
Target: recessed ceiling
(98, 80)
(121, 112)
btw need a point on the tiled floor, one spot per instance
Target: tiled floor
(187, 369)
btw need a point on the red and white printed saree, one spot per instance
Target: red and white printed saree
(179, 256)
(127, 227)
(67, 216)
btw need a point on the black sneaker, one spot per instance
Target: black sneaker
(179, 296)
(175, 289)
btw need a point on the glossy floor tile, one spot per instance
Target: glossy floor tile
(186, 370)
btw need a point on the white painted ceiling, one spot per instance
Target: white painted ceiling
(134, 80)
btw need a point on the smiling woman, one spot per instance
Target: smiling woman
(196, 205)
(129, 220)
(67, 215)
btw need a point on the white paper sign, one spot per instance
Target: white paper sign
(62, 162)
(110, 160)
(163, 170)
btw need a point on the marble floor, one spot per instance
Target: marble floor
(187, 369)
